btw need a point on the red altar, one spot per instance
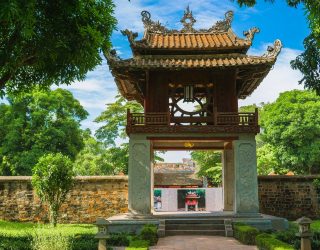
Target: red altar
(191, 200)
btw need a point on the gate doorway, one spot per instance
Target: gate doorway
(187, 184)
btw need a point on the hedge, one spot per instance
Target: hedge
(268, 242)
(245, 234)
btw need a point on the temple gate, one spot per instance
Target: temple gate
(209, 69)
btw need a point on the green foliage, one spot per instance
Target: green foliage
(139, 244)
(316, 184)
(114, 120)
(93, 159)
(50, 242)
(268, 242)
(209, 165)
(291, 125)
(52, 42)
(52, 179)
(289, 236)
(118, 239)
(309, 63)
(36, 123)
(15, 243)
(267, 161)
(19, 236)
(245, 233)
(149, 233)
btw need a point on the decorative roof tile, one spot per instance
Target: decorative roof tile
(174, 62)
(219, 36)
(199, 41)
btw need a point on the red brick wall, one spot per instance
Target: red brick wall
(91, 197)
(289, 196)
(102, 196)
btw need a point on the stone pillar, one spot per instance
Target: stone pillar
(140, 179)
(228, 177)
(246, 182)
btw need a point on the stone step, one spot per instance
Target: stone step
(194, 221)
(195, 227)
(195, 232)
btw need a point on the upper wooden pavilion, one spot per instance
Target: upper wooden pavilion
(208, 67)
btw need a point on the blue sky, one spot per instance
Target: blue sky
(276, 21)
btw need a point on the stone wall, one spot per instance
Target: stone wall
(91, 197)
(289, 196)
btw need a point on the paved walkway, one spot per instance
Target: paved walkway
(192, 242)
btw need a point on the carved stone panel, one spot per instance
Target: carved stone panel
(228, 179)
(139, 176)
(246, 184)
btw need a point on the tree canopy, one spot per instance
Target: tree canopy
(291, 126)
(35, 123)
(309, 61)
(51, 42)
(208, 165)
(97, 159)
(113, 130)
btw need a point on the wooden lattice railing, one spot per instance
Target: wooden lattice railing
(218, 119)
(136, 119)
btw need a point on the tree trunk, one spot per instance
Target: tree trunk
(54, 212)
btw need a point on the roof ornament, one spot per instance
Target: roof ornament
(131, 35)
(249, 34)
(112, 55)
(224, 25)
(273, 51)
(188, 21)
(152, 25)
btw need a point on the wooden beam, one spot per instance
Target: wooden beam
(180, 148)
(175, 138)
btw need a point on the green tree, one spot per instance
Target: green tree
(291, 125)
(52, 42)
(36, 123)
(52, 179)
(97, 159)
(267, 162)
(309, 61)
(208, 165)
(114, 119)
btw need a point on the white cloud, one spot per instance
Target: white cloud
(281, 78)
(169, 13)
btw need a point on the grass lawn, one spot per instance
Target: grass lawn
(25, 236)
(26, 228)
(29, 236)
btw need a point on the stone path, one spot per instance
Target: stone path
(192, 242)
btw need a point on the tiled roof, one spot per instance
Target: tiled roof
(176, 179)
(174, 62)
(197, 41)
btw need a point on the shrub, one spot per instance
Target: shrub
(245, 233)
(119, 239)
(84, 242)
(149, 233)
(52, 179)
(268, 242)
(139, 244)
(51, 242)
(15, 243)
(289, 235)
